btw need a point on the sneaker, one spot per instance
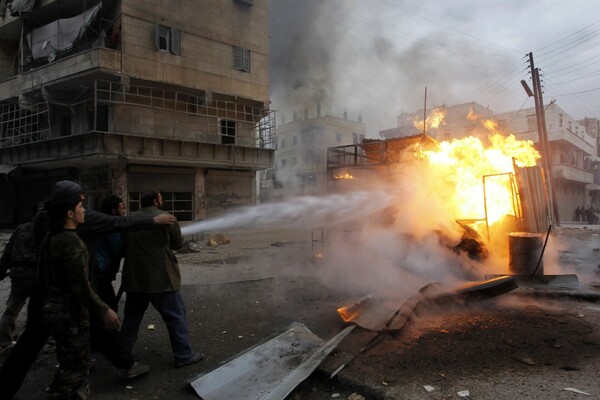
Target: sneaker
(136, 370)
(196, 357)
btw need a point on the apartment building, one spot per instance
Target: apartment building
(124, 96)
(573, 149)
(572, 154)
(442, 122)
(300, 167)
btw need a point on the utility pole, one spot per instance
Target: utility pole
(543, 137)
(425, 113)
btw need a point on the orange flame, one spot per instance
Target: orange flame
(463, 163)
(434, 120)
(345, 175)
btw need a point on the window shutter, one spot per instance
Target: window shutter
(238, 58)
(175, 41)
(246, 61)
(157, 36)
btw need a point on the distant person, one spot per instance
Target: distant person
(109, 253)
(19, 361)
(19, 257)
(70, 298)
(577, 214)
(151, 275)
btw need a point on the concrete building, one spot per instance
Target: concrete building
(464, 119)
(572, 150)
(592, 127)
(125, 96)
(301, 158)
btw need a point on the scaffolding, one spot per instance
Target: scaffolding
(21, 124)
(238, 122)
(221, 118)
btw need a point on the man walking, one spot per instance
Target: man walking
(151, 275)
(24, 353)
(20, 257)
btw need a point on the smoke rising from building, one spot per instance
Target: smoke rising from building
(375, 58)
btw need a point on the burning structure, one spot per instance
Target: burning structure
(465, 195)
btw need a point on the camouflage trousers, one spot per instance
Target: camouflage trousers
(71, 380)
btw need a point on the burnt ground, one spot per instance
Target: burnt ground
(243, 293)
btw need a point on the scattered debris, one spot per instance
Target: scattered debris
(464, 394)
(151, 327)
(576, 391)
(271, 370)
(335, 395)
(280, 243)
(355, 396)
(428, 388)
(217, 239)
(524, 360)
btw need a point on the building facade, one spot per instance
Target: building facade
(125, 96)
(300, 166)
(442, 123)
(572, 152)
(572, 144)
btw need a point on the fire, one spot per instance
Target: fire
(434, 120)
(345, 175)
(462, 164)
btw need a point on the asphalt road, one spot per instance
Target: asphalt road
(243, 293)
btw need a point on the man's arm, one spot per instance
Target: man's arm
(98, 223)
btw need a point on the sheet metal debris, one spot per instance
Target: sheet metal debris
(271, 370)
(377, 314)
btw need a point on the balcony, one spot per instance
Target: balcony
(98, 58)
(584, 143)
(101, 148)
(569, 173)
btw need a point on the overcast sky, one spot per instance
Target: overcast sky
(375, 57)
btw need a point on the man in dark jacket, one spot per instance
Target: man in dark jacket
(20, 257)
(109, 252)
(151, 275)
(19, 361)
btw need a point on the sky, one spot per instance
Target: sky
(374, 58)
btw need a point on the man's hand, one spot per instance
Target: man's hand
(164, 219)
(111, 320)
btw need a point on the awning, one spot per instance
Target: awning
(60, 34)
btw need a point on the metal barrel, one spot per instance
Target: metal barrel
(525, 249)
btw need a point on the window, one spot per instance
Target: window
(357, 138)
(294, 161)
(295, 140)
(283, 162)
(241, 59)
(308, 179)
(179, 204)
(227, 131)
(283, 143)
(167, 39)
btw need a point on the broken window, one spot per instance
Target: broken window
(227, 131)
